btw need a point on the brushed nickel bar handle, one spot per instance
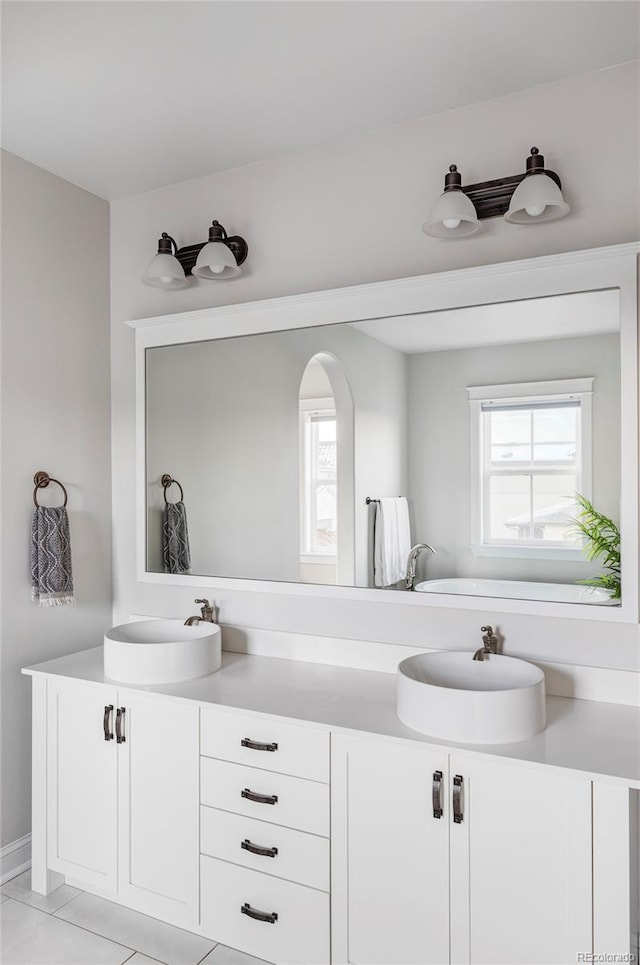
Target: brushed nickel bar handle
(106, 722)
(457, 799)
(270, 917)
(120, 738)
(247, 845)
(436, 794)
(257, 745)
(259, 798)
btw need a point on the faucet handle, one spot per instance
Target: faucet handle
(208, 610)
(490, 639)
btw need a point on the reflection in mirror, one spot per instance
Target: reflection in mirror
(486, 419)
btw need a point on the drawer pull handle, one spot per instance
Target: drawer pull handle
(247, 845)
(270, 917)
(457, 799)
(106, 726)
(259, 798)
(437, 794)
(257, 746)
(120, 712)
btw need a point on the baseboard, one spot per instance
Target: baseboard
(15, 858)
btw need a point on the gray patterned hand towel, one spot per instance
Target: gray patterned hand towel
(51, 576)
(176, 555)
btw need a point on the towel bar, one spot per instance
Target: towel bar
(168, 481)
(41, 481)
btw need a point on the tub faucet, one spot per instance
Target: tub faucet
(207, 614)
(489, 644)
(412, 563)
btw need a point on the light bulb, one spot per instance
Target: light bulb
(535, 210)
(451, 222)
(217, 269)
(165, 279)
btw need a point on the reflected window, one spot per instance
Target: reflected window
(531, 452)
(318, 479)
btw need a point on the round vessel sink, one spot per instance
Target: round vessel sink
(451, 696)
(161, 651)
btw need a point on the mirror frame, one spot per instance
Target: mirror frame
(582, 271)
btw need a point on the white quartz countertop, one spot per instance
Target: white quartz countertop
(596, 739)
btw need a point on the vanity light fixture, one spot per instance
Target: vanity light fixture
(218, 258)
(530, 198)
(453, 215)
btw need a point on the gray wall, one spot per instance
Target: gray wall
(55, 416)
(223, 419)
(439, 443)
(348, 213)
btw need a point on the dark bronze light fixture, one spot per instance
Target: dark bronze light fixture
(218, 258)
(530, 198)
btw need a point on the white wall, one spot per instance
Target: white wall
(439, 445)
(55, 416)
(350, 213)
(222, 418)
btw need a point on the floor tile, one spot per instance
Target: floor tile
(20, 889)
(139, 959)
(31, 937)
(221, 955)
(154, 938)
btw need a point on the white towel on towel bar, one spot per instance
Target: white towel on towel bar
(392, 540)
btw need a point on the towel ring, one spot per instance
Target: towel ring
(168, 481)
(42, 480)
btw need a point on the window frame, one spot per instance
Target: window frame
(578, 390)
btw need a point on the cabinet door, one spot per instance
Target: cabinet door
(520, 866)
(81, 784)
(158, 806)
(390, 877)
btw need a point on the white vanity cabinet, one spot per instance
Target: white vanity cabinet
(502, 876)
(122, 812)
(305, 843)
(81, 782)
(265, 819)
(390, 856)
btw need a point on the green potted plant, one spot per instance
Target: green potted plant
(601, 542)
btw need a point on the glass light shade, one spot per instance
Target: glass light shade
(216, 261)
(452, 216)
(536, 199)
(165, 271)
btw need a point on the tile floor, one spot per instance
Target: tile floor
(72, 927)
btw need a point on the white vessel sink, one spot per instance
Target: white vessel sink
(451, 696)
(161, 651)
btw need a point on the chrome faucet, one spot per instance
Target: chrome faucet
(207, 614)
(489, 644)
(412, 562)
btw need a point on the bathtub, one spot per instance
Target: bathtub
(519, 590)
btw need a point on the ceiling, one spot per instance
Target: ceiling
(124, 97)
(505, 323)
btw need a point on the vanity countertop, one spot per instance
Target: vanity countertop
(591, 738)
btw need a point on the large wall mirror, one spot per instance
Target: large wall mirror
(323, 455)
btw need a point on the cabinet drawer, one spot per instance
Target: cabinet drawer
(296, 803)
(273, 745)
(294, 855)
(298, 936)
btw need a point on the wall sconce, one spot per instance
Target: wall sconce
(218, 258)
(530, 198)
